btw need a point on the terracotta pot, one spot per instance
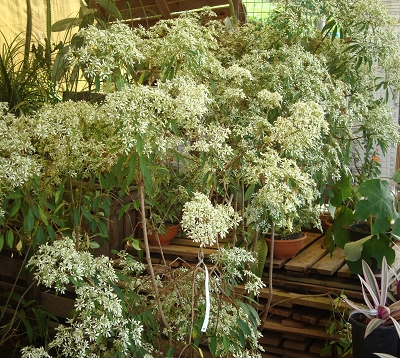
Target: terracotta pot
(165, 239)
(285, 249)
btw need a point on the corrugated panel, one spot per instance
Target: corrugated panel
(147, 12)
(393, 7)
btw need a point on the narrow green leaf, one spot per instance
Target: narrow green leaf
(1, 242)
(110, 7)
(148, 180)
(213, 345)
(10, 238)
(28, 328)
(30, 219)
(42, 215)
(244, 327)
(86, 213)
(225, 341)
(65, 24)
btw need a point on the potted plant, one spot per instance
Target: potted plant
(374, 208)
(166, 205)
(375, 324)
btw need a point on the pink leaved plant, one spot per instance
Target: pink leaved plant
(380, 307)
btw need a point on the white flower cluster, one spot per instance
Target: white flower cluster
(234, 263)
(203, 222)
(104, 52)
(101, 313)
(302, 132)
(72, 139)
(56, 263)
(287, 196)
(17, 164)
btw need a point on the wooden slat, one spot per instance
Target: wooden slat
(317, 346)
(307, 258)
(344, 271)
(308, 315)
(308, 330)
(311, 238)
(283, 311)
(329, 265)
(11, 266)
(298, 345)
(288, 322)
(60, 306)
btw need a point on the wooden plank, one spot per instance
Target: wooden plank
(309, 330)
(311, 238)
(283, 311)
(317, 346)
(344, 271)
(292, 323)
(11, 266)
(271, 339)
(309, 315)
(60, 306)
(182, 251)
(288, 299)
(307, 258)
(301, 345)
(329, 265)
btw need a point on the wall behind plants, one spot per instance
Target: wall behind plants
(13, 17)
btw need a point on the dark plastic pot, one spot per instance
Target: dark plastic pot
(380, 340)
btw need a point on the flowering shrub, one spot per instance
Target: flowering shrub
(256, 118)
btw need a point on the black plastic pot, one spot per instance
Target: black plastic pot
(380, 340)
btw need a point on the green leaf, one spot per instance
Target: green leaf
(86, 213)
(15, 208)
(378, 202)
(51, 232)
(94, 245)
(396, 176)
(243, 326)
(28, 327)
(148, 180)
(225, 341)
(213, 345)
(341, 190)
(10, 238)
(110, 7)
(343, 218)
(43, 216)
(136, 244)
(123, 210)
(1, 242)
(65, 24)
(39, 235)
(377, 248)
(249, 192)
(30, 219)
(139, 143)
(353, 250)
(261, 250)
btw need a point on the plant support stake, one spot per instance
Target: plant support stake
(207, 315)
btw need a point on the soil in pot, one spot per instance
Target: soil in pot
(380, 340)
(287, 248)
(360, 230)
(165, 239)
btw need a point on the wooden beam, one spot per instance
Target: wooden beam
(164, 9)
